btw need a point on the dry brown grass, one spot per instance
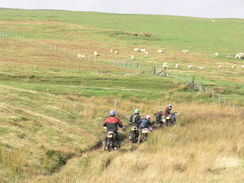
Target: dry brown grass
(205, 146)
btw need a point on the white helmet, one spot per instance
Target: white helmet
(148, 117)
(170, 105)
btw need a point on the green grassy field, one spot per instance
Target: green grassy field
(52, 103)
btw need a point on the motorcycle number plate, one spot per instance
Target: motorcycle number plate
(109, 135)
(145, 131)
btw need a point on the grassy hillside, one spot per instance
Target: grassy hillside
(85, 32)
(52, 103)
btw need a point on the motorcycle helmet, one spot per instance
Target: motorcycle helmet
(148, 117)
(137, 111)
(112, 113)
(159, 110)
(170, 105)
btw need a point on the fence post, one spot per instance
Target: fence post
(116, 104)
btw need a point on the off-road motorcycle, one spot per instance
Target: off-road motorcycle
(110, 141)
(171, 119)
(144, 134)
(134, 133)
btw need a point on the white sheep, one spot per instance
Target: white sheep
(160, 51)
(95, 53)
(201, 68)
(116, 52)
(185, 51)
(143, 50)
(233, 66)
(176, 66)
(137, 49)
(220, 67)
(239, 55)
(242, 66)
(190, 66)
(216, 54)
(132, 57)
(165, 65)
(81, 56)
(146, 52)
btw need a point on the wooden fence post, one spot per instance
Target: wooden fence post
(116, 104)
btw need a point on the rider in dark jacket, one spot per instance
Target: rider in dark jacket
(112, 123)
(158, 116)
(146, 123)
(135, 118)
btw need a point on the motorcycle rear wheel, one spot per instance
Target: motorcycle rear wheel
(109, 144)
(133, 137)
(144, 136)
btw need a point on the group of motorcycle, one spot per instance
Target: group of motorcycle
(137, 135)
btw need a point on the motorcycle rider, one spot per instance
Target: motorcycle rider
(167, 112)
(145, 123)
(158, 116)
(112, 123)
(135, 118)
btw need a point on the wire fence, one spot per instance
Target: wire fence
(131, 64)
(119, 62)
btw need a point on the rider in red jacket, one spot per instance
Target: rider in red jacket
(167, 110)
(112, 123)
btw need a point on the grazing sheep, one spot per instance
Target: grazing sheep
(114, 51)
(233, 66)
(239, 55)
(185, 51)
(216, 54)
(220, 67)
(201, 68)
(95, 53)
(190, 66)
(242, 66)
(176, 66)
(143, 50)
(137, 49)
(146, 52)
(81, 56)
(132, 57)
(160, 51)
(165, 65)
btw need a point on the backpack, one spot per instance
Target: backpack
(134, 118)
(144, 123)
